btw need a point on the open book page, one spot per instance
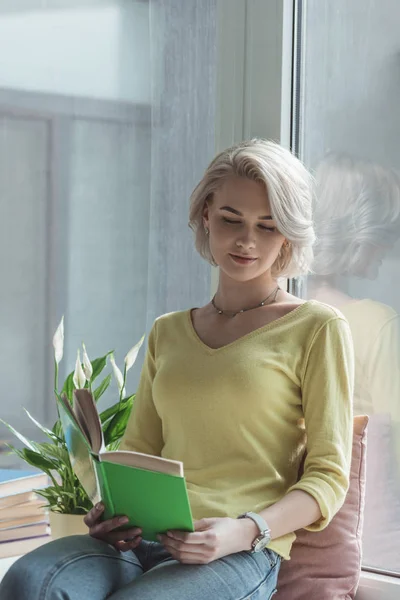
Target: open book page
(79, 450)
(76, 418)
(86, 412)
(144, 461)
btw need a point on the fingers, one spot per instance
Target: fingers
(112, 524)
(176, 546)
(128, 535)
(124, 546)
(191, 558)
(197, 537)
(94, 515)
(124, 540)
(203, 524)
(103, 528)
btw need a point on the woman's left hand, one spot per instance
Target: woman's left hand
(212, 539)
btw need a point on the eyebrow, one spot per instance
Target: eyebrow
(239, 214)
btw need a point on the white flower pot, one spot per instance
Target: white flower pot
(64, 525)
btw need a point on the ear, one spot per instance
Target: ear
(206, 215)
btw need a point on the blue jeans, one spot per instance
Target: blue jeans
(82, 568)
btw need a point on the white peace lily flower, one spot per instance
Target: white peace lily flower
(87, 365)
(131, 357)
(117, 374)
(58, 342)
(79, 377)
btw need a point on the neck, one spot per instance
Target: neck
(328, 290)
(233, 295)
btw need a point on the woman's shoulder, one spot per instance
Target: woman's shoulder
(311, 310)
(371, 310)
(172, 319)
(324, 312)
(313, 317)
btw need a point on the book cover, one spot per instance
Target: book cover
(24, 532)
(19, 511)
(153, 500)
(13, 481)
(15, 499)
(20, 547)
(20, 521)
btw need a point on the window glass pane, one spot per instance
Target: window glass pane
(349, 135)
(103, 135)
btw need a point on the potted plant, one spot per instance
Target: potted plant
(65, 497)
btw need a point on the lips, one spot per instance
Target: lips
(242, 260)
(243, 256)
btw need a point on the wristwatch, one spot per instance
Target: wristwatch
(264, 538)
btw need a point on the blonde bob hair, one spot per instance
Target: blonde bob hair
(289, 187)
(357, 206)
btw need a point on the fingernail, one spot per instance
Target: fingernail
(123, 520)
(99, 506)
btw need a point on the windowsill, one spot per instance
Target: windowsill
(372, 587)
(378, 587)
(5, 564)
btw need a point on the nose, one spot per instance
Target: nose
(246, 240)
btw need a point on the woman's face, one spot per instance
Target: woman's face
(243, 237)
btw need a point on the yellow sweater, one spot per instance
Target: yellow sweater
(238, 416)
(375, 330)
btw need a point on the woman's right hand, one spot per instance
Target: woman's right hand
(105, 530)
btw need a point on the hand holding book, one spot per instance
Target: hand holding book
(109, 531)
(149, 490)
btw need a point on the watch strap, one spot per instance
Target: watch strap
(265, 532)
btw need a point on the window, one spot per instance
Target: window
(103, 134)
(346, 130)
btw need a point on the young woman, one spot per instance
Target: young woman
(238, 390)
(357, 220)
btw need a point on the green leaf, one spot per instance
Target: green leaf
(16, 451)
(129, 399)
(98, 365)
(38, 460)
(68, 386)
(22, 438)
(115, 429)
(58, 430)
(49, 494)
(98, 392)
(114, 445)
(112, 410)
(109, 412)
(44, 429)
(55, 452)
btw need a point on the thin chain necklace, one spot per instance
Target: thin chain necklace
(231, 314)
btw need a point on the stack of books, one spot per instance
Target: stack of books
(24, 523)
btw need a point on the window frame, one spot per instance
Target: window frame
(259, 56)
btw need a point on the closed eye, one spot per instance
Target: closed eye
(230, 221)
(263, 227)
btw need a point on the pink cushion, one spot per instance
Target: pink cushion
(327, 564)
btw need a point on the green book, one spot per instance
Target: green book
(149, 490)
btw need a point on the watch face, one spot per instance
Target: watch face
(260, 544)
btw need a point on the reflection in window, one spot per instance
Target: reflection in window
(349, 130)
(357, 220)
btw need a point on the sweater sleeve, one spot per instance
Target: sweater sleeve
(144, 430)
(327, 399)
(384, 381)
